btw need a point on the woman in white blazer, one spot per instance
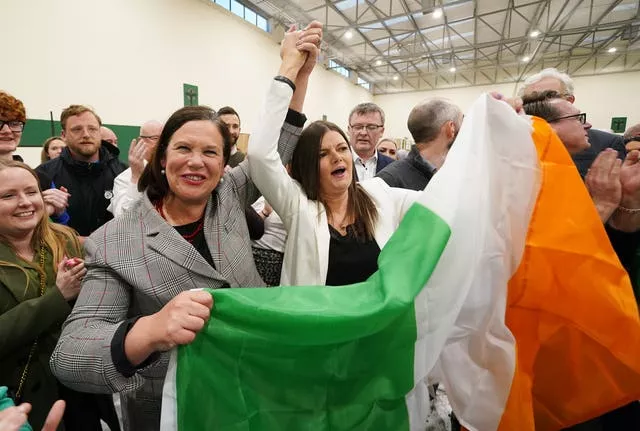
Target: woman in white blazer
(336, 226)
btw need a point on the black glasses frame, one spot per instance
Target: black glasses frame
(582, 117)
(632, 138)
(9, 125)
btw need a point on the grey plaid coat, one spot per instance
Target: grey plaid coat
(136, 264)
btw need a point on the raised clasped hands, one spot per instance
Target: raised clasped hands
(300, 48)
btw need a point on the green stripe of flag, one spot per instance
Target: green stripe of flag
(313, 358)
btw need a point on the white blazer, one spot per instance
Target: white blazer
(306, 255)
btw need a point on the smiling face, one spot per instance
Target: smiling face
(21, 204)
(194, 161)
(9, 139)
(336, 165)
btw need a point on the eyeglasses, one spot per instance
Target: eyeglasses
(369, 127)
(582, 118)
(151, 138)
(14, 126)
(631, 139)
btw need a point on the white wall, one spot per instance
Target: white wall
(128, 59)
(601, 97)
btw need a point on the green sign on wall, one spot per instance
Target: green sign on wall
(190, 94)
(618, 124)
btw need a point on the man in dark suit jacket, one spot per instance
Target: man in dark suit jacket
(366, 127)
(434, 125)
(552, 79)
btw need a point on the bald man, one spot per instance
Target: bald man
(632, 138)
(107, 135)
(125, 186)
(553, 79)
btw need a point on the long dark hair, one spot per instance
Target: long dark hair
(152, 180)
(305, 168)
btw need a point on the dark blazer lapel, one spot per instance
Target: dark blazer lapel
(165, 240)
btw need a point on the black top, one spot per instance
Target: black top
(412, 173)
(118, 354)
(600, 141)
(198, 240)
(351, 260)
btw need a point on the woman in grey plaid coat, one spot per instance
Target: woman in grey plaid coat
(188, 231)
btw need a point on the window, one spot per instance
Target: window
(334, 65)
(364, 84)
(245, 13)
(250, 16)
(237, 8)
(262, 23)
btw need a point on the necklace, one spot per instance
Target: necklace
(188, 236)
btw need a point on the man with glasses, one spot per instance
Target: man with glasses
(86, 168)
(552, 79)
(366, 127)
(125, 186)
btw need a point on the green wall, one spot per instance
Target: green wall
(37, 131)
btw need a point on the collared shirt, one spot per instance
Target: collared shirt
(365, 170)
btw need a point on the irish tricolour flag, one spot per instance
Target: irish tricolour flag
(489, 286)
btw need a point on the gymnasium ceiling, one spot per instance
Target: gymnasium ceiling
(401, 45)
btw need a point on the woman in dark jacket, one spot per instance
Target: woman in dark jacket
(40, 273)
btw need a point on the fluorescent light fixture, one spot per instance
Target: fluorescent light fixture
(437, 13)
(348, 34)
(534, 34)
(612, 50)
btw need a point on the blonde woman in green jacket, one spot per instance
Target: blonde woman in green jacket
(40, 273)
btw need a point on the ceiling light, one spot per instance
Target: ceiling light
(379, 63)
(534, 34)
(396, 77)
(526, 58)
(612, 50)
(437, 13)
(348, 34)
(452, 69)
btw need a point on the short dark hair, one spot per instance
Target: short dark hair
(72, 110)
(539, 104)
(228, 110)
(427, 118)
(305, 168)
(152, 180)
